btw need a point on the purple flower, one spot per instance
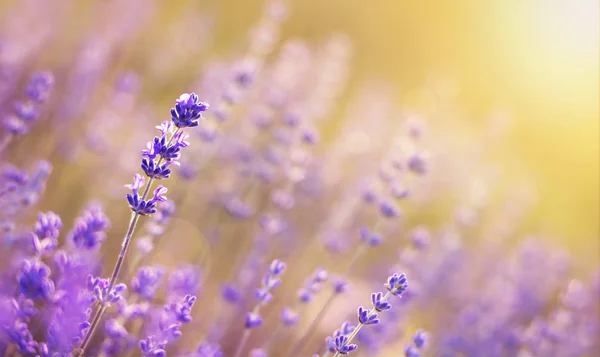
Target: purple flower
(417, 164)
(379, 303)
(34, 280)
(90, 228)
(48, 225)
(165, 148)
(181, 311)
(420, 338)
(151, 348)
(114, 329)
(206, 349)
(15, 126)
(289, 317)
(340, 285)
(342, 345)
(344, 330)
(99, 288)
(139, 205)
(147, 281)
(370, 238)
(154, 170)
(185, 280)
(389, 209)
(411, 351)
(312, 285)
(252, 320)
(367, 317)
(187, 111)
(276, 268)
(270, 281)
(26, 111)
(43, 247)
(24, 308)
(397, 284)
(237, 208)
(231, 293)
(19, 334)
(272, 225)
(39, 87)
(283, 199)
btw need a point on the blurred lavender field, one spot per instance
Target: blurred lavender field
(274, 205)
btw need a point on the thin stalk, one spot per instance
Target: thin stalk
(311, 329)
(313, 326)
(119, 264)
(246, 335)
(281, 327)
(91, 330)
(126, 241)
(242, 343)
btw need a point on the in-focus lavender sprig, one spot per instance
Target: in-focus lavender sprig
(396, 285)
(186, 114)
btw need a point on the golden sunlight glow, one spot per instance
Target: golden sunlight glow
(571, 24)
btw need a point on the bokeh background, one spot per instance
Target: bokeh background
(533, 63)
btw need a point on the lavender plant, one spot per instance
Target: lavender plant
(270, 177)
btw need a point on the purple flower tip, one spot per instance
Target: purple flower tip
(187, 111)
(253, 320)
(397, 284)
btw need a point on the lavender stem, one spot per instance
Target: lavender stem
(360, 325)
(119, 264)
(311, 329)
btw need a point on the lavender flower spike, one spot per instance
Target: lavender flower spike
(167, 148)
(187, 111)
(341, 343)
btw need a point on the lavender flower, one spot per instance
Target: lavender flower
(187, 111)
(103, 292)
(34, 280)
(147, 281)
(138, 204)
(396, 285)
(47, 226)
(90, 229)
